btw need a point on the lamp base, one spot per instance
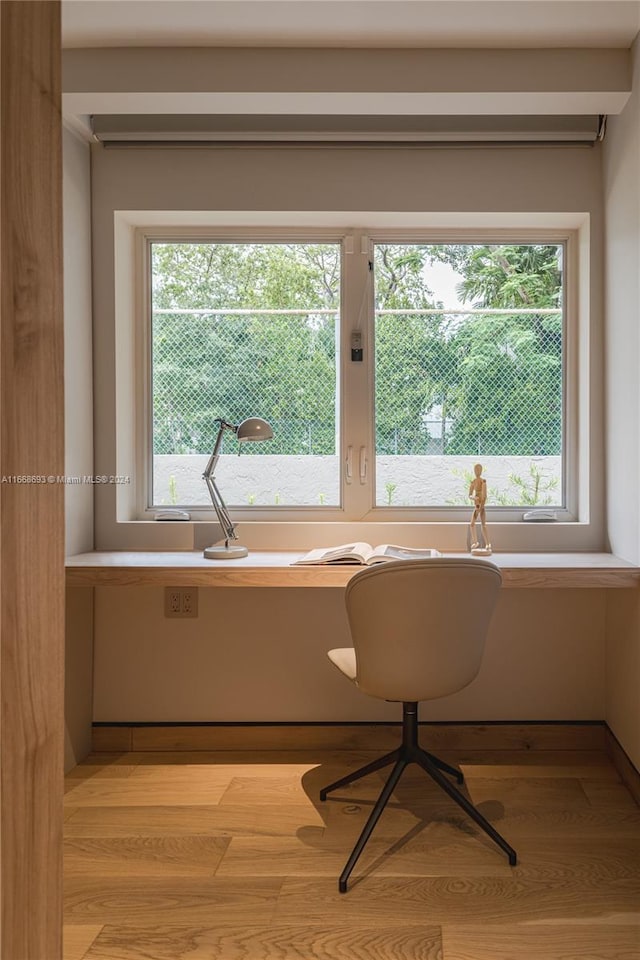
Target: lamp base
(225, 553)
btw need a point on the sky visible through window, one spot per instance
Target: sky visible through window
(443, 280)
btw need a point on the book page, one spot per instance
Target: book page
(389, 551)
(345, 553)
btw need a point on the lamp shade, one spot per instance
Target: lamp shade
(254, 428)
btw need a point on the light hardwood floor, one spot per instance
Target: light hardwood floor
(231, 856)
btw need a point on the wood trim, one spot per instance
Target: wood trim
(375, 736)
(628, 773)
(111, 739)
(31, 444)
(274, 569)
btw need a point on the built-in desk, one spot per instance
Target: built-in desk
(274, 569)
(265, 663)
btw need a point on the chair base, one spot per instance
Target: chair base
(408, 752)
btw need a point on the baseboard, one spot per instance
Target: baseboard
(628, 773)
(523, 735)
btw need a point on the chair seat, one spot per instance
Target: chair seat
(345, 660)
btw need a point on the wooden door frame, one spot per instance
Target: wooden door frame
(31, 504)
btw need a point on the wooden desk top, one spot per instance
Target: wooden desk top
(273, 569)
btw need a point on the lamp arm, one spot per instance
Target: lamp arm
(220, 508)
(212, 463)
(216, 497)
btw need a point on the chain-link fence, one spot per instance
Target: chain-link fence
(280, 365)
(242, 329)
(477, 383)
(473, 383)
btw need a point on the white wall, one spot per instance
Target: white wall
(623, 670)
(621, 177)
(621, 170)
(78, 439)
(78, 372)
(519, 182)
(261, 655)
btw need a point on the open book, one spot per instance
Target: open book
(366, 554)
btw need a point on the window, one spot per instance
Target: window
(473, 351)
(470, 354)
(469, 367)
(239, 330)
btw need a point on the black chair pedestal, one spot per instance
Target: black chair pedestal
(408, 752)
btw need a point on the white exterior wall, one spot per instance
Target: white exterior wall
(269, 480)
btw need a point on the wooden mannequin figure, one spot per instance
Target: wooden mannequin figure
(478, 492)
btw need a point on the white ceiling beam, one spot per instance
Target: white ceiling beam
(339, 81)
(350, 23)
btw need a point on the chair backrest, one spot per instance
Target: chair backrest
(419, 626)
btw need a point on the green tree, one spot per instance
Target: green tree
(494, 381)
(225, 365)
(508, 390)
(408, 351)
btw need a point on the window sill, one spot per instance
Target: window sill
(515, 537)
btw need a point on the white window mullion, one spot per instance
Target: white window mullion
(357, 378)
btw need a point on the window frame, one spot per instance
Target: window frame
(568, 512)
(281, 527)
(242, 514)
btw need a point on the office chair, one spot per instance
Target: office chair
(418, 629)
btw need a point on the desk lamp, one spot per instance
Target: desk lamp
(254, 428)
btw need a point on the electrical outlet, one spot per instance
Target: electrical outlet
(190, 602)
(181, 601)
(172, 602)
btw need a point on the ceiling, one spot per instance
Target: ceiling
(350, 23)
(252, 60)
